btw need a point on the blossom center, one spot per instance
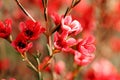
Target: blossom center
(29, 33)
(2, 31)
(21, 45)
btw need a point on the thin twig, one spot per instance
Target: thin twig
(73, 4)
(23, 9)
(10, 38)
(45, 3)
(49, 41)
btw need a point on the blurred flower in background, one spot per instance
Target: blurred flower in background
(102, 70)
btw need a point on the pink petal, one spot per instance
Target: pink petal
(75, 25)
(67, 20)
(83, 50)
(90, 39)
(91, 48)
(29, 45)
(66, 28)
(8, 22)
(77, 56)
(71, 42)
(56, 36)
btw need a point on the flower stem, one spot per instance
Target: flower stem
(23, 9)
(76, 71)
(49, 39)
(38, 63)
(45, 2)
(25, 58)
(39, 73)
(73, 4)
(10, 38)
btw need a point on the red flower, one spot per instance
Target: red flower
(5, 28)
(62, 43)
(21, 44)
(71, 26)
(31, 30)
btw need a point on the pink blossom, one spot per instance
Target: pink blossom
(84, 52)
(71, 26)
(86, 46)
(82, 59)
(62, 43)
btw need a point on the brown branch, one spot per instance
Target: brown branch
(23, 9)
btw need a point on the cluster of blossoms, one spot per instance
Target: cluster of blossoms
(67, 38)
(65, 41)
(29, 31)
